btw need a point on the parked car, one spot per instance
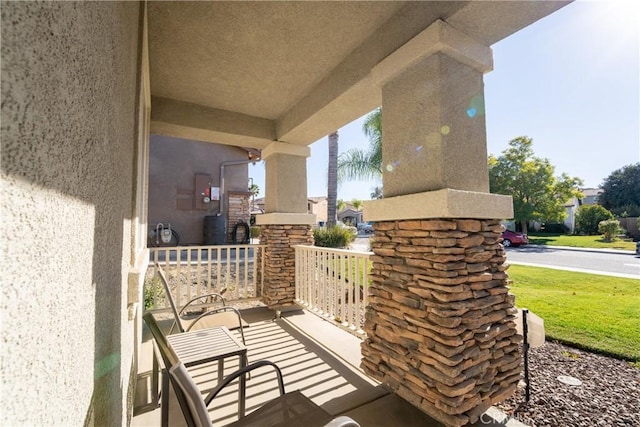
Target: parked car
(512, 238)
(352, 229)
(365, 227)
(638, 248)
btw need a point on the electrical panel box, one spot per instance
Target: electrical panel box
(202, 196)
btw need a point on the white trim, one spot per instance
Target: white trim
(285, 219)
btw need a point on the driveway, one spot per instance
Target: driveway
(361, 243)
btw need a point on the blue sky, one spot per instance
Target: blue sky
(570, 81)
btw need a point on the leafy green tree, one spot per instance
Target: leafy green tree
(537, 194)
(589, 216)
(621, 190)
(364, 164)
(340, 205)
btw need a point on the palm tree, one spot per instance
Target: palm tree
(376, 193)
(332, 180)
(364, 164)
(254, 189)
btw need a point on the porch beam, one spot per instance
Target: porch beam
(349, 91)
(180, 119)
(464, 32)
(438, 37)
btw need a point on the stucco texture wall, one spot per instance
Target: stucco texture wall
(173, 163)
(69, 73)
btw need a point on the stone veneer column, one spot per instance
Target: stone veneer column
(440, 321)
(279, 258)
(440, 329)
(286, 222)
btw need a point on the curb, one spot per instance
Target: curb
(598, 250)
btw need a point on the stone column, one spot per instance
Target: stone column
(286, 222)
(440, 323)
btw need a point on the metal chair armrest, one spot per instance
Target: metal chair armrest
(214, 311)
(179, 313)
(217, 295)
(247, 369)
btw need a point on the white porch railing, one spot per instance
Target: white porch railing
(333, 283)
(234, 270)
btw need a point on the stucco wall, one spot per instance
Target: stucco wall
(68, 136)
(173, 162)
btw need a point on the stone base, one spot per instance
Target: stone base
(440, 321)
(279, 287)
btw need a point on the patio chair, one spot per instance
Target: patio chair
(221, 316)
(289, 409)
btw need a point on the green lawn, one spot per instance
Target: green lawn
(578, 241)
(595, 312)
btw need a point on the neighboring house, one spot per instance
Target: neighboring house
(350, 215)
(181, 174)
(571, 207)
(318, 207)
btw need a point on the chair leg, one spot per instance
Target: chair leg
(155, 392)
(164, 407)
(243, 387)
(220, 370)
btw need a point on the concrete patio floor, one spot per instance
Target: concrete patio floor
(316, 357)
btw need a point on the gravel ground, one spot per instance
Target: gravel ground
(609, 394)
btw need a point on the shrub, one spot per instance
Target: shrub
(589, 216)
(610, 228)
(255, 231)
(334, 237)
(152, 293)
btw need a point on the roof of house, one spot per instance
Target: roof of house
(591, 191)
(317, 199)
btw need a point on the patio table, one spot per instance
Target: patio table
(204, 346)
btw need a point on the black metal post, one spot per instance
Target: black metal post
(525, 348)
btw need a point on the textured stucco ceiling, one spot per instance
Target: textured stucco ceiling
(252, 72)
(255, 58)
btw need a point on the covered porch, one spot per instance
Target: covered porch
(84, 85)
